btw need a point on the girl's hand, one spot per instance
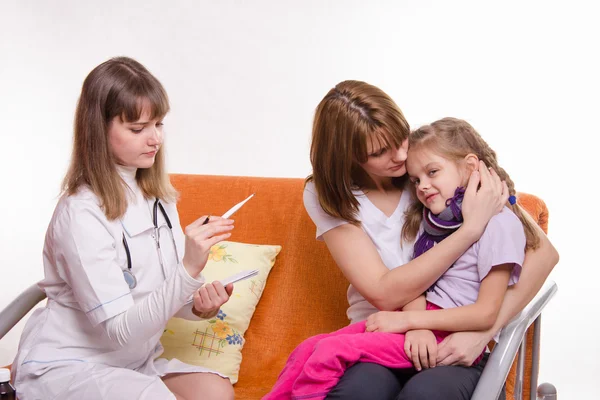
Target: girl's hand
(388, 321)
(200, 238)
(462, 348)
(209, 299)
(421, 346)
(480, 205)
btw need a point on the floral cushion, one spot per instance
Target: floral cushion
(217, 343)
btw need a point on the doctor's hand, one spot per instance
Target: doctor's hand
(199, 238)
(209, 299)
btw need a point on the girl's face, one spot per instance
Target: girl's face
(435, 177)
(135, 144)
(385, 162)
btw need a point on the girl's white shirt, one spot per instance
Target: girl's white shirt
(92, 316)
(384, 232)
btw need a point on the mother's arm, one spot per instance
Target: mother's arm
(462, 348)
(357, 257)
(388, 290)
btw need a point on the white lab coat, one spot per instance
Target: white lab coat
(64, 352)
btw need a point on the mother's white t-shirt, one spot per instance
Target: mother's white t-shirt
(384, 232)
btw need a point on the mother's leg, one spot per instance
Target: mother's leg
(444, 383)
(199, 386)
(365, 381)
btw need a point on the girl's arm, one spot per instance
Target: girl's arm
(418, 304)
(462, 348)
(480, 315)
(537, 266)
(420, 345)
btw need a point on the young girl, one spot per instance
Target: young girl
(440, 158)
(468, 296)
(114, 263)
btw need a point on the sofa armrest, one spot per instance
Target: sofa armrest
(19, 307)
(498, 366)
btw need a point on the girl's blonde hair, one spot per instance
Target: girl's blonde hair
(352, 114)
(119, 87)
(454, 139)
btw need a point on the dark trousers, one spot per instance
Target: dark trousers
(374, 382)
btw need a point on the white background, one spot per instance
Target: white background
(244, 78)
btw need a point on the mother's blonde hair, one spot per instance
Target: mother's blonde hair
(352, 114)
(120, 87)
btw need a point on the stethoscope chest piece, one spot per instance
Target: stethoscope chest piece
(129, 279)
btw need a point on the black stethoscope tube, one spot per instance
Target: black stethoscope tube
(129, 277)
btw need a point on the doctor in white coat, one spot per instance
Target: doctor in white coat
(117, 265)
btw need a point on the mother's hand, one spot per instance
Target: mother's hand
(480, 205)
(462, 348)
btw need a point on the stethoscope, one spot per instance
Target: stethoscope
(127, 273)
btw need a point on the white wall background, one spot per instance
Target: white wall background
(244, 78)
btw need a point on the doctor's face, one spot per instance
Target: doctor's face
(135, 143)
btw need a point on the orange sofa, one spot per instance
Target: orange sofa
(305, 293)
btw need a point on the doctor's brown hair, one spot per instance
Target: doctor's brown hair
(119, 87)
(454, 139)
(352, 114)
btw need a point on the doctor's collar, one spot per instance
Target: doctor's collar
(127, 173)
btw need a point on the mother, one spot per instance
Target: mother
(356, 197)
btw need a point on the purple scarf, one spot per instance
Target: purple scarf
(438, 227)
